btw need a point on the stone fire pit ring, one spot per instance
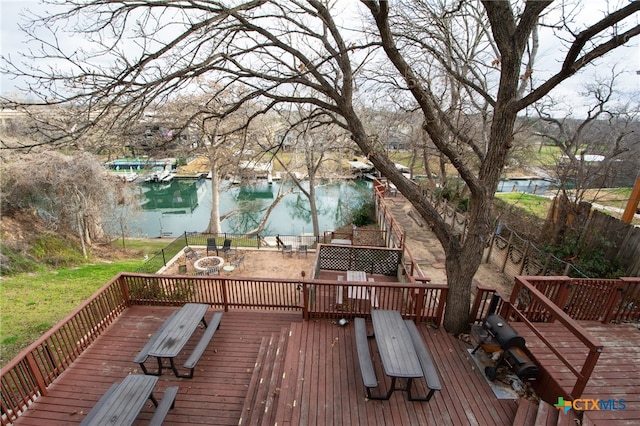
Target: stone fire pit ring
(203, 263)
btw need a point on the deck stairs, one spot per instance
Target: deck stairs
(264, 388)
(543, 414)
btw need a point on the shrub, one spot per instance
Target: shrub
(56, 252)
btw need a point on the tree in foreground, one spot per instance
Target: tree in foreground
(453, 61)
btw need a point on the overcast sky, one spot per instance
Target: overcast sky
(627, 58)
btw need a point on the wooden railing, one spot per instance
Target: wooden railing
(529, 305)
(30, 373)
(420, 301)
(592, 299)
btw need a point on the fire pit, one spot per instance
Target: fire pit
(203, 263)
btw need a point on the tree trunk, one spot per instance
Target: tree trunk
(312, 204)
(214, 220)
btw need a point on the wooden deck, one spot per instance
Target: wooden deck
(616, 375)
(272, 368)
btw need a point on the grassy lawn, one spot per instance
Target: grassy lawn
(532, 204)
(32, 303)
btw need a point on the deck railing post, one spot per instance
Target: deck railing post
(585, 373)
(614, 299)
(35, 371)
(305, 301)
(225, 295)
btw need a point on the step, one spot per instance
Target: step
(526, 414)
(547, 415)
(290, 378)
(263, 390)
(271, 401)
(261, 361)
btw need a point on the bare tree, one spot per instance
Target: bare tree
(302, 52)
(70, 192)
(595, 151)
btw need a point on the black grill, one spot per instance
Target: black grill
(502, 332)
(498, 335)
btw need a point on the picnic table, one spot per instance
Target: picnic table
(397, 351)
(122, 403)
(172, 336)
(361, 292)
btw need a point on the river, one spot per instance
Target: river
(170, 209)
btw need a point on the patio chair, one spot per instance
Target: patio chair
(190, 253)
(226, 247)
(213, 270)
(287, 248)
(302, 249)
(238, 261)
(212, 246)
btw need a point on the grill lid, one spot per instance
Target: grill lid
(502, 332)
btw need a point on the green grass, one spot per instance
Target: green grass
(33, 302)
(532, 204)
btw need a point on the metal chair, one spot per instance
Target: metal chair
(238, 261)
(211, 245)
(302, 249)
(226, 248)
(213, 270)
(190, 253)
(287, 248)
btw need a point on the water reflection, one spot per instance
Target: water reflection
(185, 206)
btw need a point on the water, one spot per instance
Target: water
(530, 186)
(170, 209)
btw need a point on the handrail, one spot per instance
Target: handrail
(537, 299)
(29, 374)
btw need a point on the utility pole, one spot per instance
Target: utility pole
(632, 204)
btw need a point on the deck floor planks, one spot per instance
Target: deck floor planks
(617, 372)
(321, 382)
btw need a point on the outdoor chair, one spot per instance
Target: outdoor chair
(238, 261)
(212, 246)
(226, 247)
(190, 253)
(287, 248)
(213, 270)
(302, 249)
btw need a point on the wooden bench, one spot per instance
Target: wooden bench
(364, 356)
(123, 401)
(426, 362)
(168, 402)
(214, 324)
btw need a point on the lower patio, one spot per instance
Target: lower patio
(271, 368)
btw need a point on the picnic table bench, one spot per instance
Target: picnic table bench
(123, 401)
(428, 367)
(402, 352)
(364, 356)
(171, 337)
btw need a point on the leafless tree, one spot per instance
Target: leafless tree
(319, 53)
(70, 192)
(597, 149)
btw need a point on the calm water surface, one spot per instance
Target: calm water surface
(180, 206)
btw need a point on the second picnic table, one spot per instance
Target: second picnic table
(397, 352)
(173, 335)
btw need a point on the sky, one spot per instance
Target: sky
(627, 58)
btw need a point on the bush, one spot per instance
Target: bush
(56, 252)
(590, 260)
(12, 262)
(364, 214)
